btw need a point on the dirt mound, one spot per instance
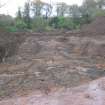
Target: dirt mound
(96, 27)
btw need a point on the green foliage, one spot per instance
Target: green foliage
(100, 3)
(64, 22)
(61, 9)
(36, 16)
(85, 19)
(20, 24)
(7, 23)
(37, 6)
(11, 29)
(6, 20)
(74, 11)
(49, 28)
(19, 13)
(93, 8)
(53, 22)
(100, 12)
(39, 24)
(26, 14)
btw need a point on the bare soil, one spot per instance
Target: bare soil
(44, 61)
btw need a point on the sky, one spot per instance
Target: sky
(12, 5)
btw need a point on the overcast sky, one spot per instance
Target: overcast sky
(12, 5)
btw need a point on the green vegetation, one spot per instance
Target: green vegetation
(38, 16)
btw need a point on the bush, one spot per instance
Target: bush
(54, 22)
(11, 29)
(6, 20)
(63, 22)
(39, 24)
(20, 24)
(100, 13)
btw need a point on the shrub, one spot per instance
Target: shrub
(100, 13)
(39, 24)
(62, 22)
(20, 24)
(11, 29)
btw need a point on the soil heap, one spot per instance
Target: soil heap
(96, 27)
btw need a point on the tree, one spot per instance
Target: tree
(19, 13)
(20, 23)
(47, 9)
(6, 20)
(100, 3)
(61, 9)
(74, 11)
(89, 3)
(88, 8)
(26, 13)
(37, 7)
